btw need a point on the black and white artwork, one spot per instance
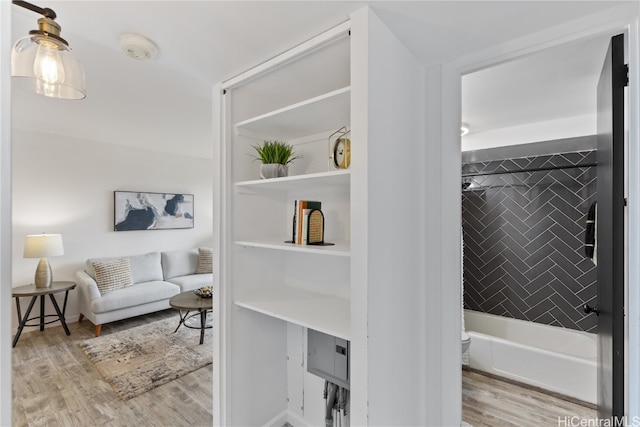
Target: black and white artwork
(152, 211)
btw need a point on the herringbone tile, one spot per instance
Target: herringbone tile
(524, 233)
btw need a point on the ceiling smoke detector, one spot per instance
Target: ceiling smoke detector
(138, 47)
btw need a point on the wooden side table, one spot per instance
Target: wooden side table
(188, 301)
(34, 293)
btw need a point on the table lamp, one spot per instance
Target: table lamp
(43, 246)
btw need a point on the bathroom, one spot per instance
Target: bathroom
(528, 182)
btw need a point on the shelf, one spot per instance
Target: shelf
(339, 249)
(325, 112)
(324, 313)
(329, 180)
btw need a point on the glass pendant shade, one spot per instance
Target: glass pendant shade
(46, 66)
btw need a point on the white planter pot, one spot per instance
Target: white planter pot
(273, 170)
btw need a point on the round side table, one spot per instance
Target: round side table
(34, 293)
(188, 301)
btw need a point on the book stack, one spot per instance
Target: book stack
(308, 222)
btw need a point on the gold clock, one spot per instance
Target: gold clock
(341, 153)
(340, 149)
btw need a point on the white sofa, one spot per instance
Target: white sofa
(156, 276)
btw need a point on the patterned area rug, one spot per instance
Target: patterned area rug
(142, 358)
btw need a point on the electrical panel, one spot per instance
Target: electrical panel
(328, 357)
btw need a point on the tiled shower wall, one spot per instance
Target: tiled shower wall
(524, 239)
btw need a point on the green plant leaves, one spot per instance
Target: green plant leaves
(275, 152)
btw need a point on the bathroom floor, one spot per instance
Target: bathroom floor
(490, 402)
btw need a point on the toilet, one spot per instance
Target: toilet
(466, 340)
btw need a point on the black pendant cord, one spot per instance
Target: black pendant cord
(46, 12)
(548, 168)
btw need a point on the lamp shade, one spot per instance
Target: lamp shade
(46, 66)
(43, 245)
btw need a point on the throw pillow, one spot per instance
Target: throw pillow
(113, 274)
(205, 261)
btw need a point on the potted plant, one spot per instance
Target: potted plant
(275, 157)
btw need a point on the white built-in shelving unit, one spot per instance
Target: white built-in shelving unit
(322, 312)
(307, 117)
(278, 290)
(368, 287)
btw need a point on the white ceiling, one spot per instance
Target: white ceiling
(165, 104)
(549, 95)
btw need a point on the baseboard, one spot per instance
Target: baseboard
(71, 318)
(296, 421)
(277, 421)
(286, 418)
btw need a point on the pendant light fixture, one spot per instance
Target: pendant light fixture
(42, 62)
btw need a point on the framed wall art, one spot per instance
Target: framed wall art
(136, 210)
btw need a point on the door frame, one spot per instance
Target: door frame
(622, 19)
(5, 214)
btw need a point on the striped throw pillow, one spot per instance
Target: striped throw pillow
(205, 261)
(112, 274)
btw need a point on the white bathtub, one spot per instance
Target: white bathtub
(553, 358)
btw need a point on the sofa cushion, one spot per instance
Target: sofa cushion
(112, 274)
(146, 268)
(88, 266)
(138, 294)
(192, 281)
(205, 261)
(179, 263)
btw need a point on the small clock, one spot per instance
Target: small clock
(341, 153)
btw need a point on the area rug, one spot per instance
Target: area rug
(142, 358)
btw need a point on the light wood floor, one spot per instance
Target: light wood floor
(490, 402)
(54, 384)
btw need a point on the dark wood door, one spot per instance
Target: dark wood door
(610, 232)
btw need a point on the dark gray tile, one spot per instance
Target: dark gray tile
(494, 305)
(514, 255)
(515, 307)
(546, 319)
(541, 252)
(514, 273)
(572, 226)
(568, 294)
(538, 296)
(541, 241)
(516, 235)
(539, 309)
(538, 269)
(545, 279)
(494, 275)
(562, 319)
(525, 231)
(566, 265)
(588, 293)
(538, 198)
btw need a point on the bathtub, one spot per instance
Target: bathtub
(556, 359)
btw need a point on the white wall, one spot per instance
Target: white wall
(65, 185)
(390, 212)
(567, 127)
(5, 213)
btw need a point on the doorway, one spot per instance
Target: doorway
(529, 179)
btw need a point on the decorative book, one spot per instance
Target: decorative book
(315, 227)
(308, 224)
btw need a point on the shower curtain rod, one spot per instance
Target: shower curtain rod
(548, 168)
